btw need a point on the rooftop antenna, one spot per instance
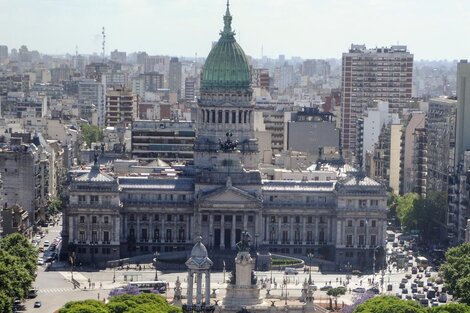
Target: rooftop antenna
(104, 42)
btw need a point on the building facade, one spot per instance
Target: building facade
(223, 194)
(372, 74)
(121, 107)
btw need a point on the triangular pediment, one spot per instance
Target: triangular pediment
(229, 195)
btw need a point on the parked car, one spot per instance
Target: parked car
(442, 298)
(404, 291)
(404, 280)
(414, 270)
(402, 285)
(427, 274)
(37, 304)
(424, 302)
(359, 289)
(408, 276)
(325, 288)
(373, 290)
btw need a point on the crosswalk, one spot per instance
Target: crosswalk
(56, 290)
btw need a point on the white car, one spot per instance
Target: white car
(46, 243)
(40, 261)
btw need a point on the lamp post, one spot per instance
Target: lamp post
(348, 268)
(155, 264)
(310, 258)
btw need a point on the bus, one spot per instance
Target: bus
(149, 286)
(422, 261)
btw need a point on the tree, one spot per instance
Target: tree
(91, 133)
(456, 272)
(389, 304)
(17, 269)
(451, 308)
(54, 207)
(126, 303)
(336, 292)
(405, 213)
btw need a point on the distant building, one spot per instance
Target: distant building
(15, 219)
(463, 110)
(170, 141)
(91, 96)
(311, 131)
(121, 107)
(175, 77)
(3, 53)
(118, 56)
(372, 74)
(189, 89)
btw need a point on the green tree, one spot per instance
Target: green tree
(405, 210)
(54, 207)
(91, 133)
(389, 304)
(336, 292)
(87, 306)
(451, 308)
(456, 272)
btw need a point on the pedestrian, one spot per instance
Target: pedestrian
(101, 285)
(98, 295)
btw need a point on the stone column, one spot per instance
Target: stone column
(279, 235)
(190, 288)
(339, 231)
(138, 231)
(245, 222)
(355, 240)
(291, 230)
(222, 232)
(162, 231)
(316, 230)
(208, 288)
(232, 239)
(211, 230)
(188, 236)
(304, 231)
(199, 289)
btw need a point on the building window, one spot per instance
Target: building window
(310, 220)
(156, 234)
(374, 223)
(82, 219)
(144, 217)
(322, 220)
(217, 218)
(227, 218)
(204, 218)
(374, 202)
(349, 240)
(106, 236)
(362, 203)
(349, 223)
(168, 217)
(81, 199)
(94, 199)
(373, 240)
(285, 235)
(168, 235)
(106, 219)
(273, 219)
(297, 219)
(238, 218)
(227, 117)
(132, 233)
(94, 236)
(132, 217)
(156, 217)
(81, 236)
(285, 219)
(143, 234)
(309, 236)
(361, 223)
(361, 240)
(321, 236)
(250, 218)
(181, 234)
(94, 219)
(181, 218)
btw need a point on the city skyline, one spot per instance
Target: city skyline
(276, 27)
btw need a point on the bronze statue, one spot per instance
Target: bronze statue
(244, 243)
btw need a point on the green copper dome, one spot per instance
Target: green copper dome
(226, 65)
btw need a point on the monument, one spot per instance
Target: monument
(243, 291)
(199, 264)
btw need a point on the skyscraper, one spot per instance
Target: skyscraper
(174, 77)
(3, 53)
(463, 110)
(372, 74)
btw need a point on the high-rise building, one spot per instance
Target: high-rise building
(121, 107)
(372, 74)
(463, 110)
(119, 56)
(3, 53)
(91, 96)
(175, 76)
(189, 89)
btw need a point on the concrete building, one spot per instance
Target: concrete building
(189, 89)
(170, 141)
(15, 219)
(118, 56)
(463, 110)
(91, 97)
(223, 193)
(372, 74)
(175, 77)
(3, 53)
(408, 169)
(311, 131)
(121, 107)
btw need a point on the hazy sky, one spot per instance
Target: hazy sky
(432, 29)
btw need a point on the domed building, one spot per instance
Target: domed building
(336, 214)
